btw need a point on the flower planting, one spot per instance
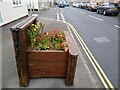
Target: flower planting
(52, 40)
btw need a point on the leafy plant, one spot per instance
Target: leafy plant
(49, 40)
(41, 26)
(33, 33)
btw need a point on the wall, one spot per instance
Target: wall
(116, 1)
(43, 4)
(11, 13)
(98, 0)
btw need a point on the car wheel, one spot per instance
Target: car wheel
(104, 13)
(97, 11)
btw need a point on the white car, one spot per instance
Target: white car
(75, 4)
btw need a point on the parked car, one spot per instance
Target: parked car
(83, 5)
(93, 6)
(108, 8)
(87, 5)
(66, 4)
(61, 5)
(119, 7)
(76, 4)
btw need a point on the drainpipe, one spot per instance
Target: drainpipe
(30, 5)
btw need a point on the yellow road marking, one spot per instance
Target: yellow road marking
(85, 48)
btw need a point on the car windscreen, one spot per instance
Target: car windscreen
(112, 5)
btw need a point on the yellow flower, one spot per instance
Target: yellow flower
(33, 25)
(35, 29)
(43, 24)
(34, 39)
(47, 33)
(36, 26)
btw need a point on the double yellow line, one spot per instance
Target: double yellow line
(103, 77)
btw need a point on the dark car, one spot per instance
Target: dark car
(66, 4)
(108, 8)
(61, 5)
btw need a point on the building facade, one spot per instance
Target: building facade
(112, 1)
(12, 10)
(40, 4)
(43, 4)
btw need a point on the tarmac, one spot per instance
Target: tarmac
(83, 78)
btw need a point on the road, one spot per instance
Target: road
(100, 33)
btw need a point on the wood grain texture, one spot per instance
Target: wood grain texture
(72, 59)
(33, 20)
(47, 64)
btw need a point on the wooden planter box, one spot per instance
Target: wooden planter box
(45, 63)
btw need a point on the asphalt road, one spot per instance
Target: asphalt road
(100, 33)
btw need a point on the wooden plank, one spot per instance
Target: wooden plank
(47, 64)
(33, 20)
(71, 44)
(22, 62)
(72, 59)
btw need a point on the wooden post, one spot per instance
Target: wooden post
(71, 67)
(20, 40)
(72, 59)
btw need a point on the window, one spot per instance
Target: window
(16, 2)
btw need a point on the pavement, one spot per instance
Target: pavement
(83, 77)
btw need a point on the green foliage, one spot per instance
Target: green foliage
(41, 25)
(33, 33)
(48, 40)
